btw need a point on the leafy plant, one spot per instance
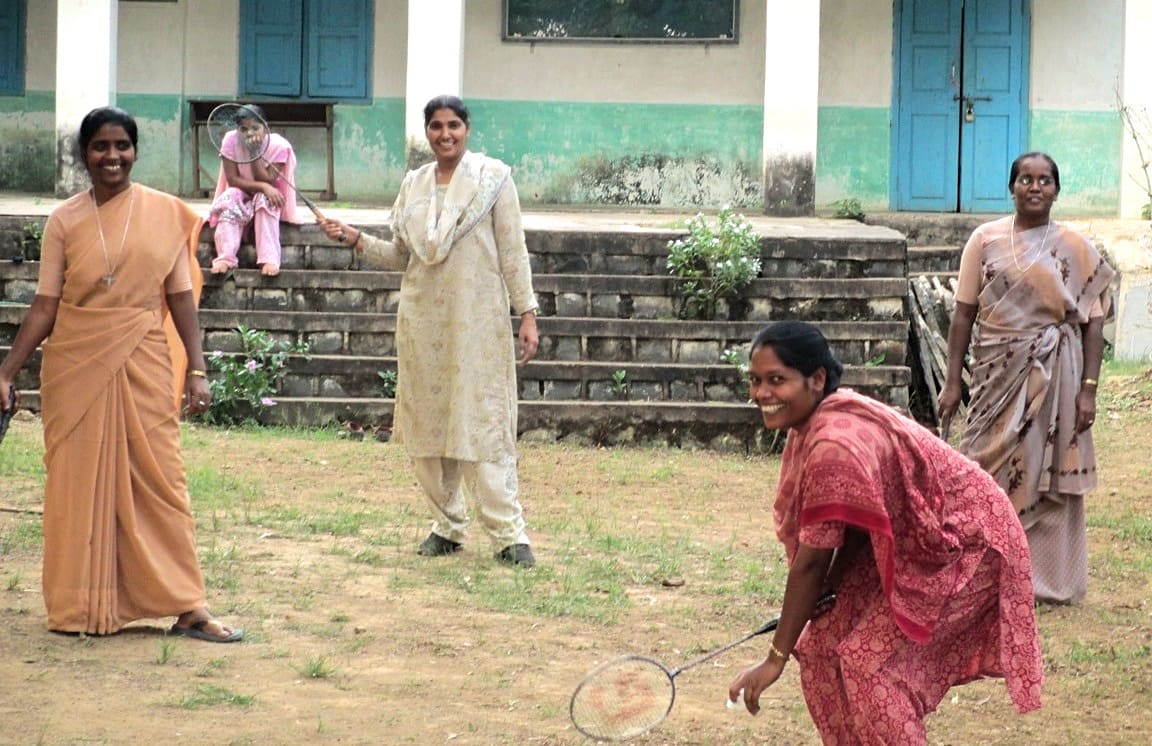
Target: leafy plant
(849, 208)
(387, 383)
(244, 383)
(714, 264)
(737, 358)
(620, 384)
(31, 240)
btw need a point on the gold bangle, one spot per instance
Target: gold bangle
(773, 650)
(197, 373)
(1090, 382)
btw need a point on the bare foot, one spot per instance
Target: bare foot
(219, 267)
(201, 625)
(270, 270)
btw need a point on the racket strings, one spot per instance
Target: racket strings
(248, 127)
(622, 699)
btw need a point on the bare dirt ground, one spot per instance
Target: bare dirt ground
(308, 541)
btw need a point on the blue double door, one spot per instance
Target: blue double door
(960, 103)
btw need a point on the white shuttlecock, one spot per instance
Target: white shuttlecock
(738, 703)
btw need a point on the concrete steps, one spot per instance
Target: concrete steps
(614, 365)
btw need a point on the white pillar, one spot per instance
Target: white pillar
(791, 98)
(85, 78)
(1136, 93)
(435, 64)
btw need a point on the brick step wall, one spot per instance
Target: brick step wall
(357, 376)
(607, 305)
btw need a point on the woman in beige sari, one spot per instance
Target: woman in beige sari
(458, 239)
(1032, 300)
(117, 269)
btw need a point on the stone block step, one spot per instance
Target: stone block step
(932, 228)
(812, 252)
(602, 339)
(609, 296)
(934, 260)
(717, 425)
(358, 376)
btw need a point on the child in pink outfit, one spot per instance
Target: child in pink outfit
(258, 192)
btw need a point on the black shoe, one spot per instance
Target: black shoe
(437, 546)
(516, 554)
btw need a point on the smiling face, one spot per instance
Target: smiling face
(109, 157)
(1034, 190)
(447, 135)
(785, 396)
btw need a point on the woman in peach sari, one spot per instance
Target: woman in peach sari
(116, 270)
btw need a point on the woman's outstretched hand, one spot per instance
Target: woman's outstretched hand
(338, 231)
(754, 681)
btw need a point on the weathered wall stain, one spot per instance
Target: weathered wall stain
(789, 185)
(26, 161)
(657, 180)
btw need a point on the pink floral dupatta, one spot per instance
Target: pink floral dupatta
(931, 514)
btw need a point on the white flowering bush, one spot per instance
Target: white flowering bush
(713, 265)
(243, 384)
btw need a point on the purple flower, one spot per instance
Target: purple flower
(268, 401)
(251, 365)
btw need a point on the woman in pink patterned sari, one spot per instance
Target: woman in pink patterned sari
(929, 566)
(1032, 299)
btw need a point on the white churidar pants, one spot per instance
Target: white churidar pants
(494, 487)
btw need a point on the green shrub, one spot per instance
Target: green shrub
(714, 265)
(849, 208)
(387, 383)
(243, 384)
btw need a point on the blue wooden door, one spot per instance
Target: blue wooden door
(271, 47)
(960, 103)
(308, 49)
(993, 101)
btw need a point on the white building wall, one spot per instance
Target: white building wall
(613, 72)
(856, 53)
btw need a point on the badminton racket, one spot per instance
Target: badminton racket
(6, 415)
(628, 696)
(232, 120)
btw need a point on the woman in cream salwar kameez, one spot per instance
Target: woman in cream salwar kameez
(117, 286)
(1032, 299)
(457, 237)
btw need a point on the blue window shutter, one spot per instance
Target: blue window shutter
(12, 48)
(271, 47)
(339, 49)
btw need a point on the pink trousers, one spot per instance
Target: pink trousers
(237, 211)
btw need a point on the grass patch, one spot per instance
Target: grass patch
(210, 695)
(26, 535)
(317, 667)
